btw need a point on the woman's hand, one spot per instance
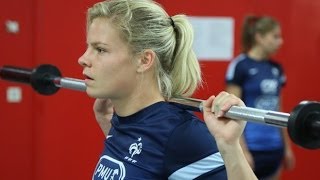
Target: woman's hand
(226, 131)
(103, 111)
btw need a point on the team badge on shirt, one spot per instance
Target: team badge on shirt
(134, 149)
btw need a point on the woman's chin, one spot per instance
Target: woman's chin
(95, 95)
(91, 94)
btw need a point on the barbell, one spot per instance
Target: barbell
(303, 123)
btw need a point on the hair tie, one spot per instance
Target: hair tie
(172, 22)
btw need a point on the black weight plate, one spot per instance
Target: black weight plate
(42, 79)
(302, 125)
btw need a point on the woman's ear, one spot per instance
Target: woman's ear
(258, 38)
(146, 60)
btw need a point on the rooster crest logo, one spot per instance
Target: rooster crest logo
(135, 148)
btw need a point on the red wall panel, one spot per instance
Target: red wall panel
(16, 119)
(56, 137)
(68, 139)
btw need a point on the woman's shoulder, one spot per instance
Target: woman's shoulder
(192, 136)
(183, 127)
(240, 61)
(191, 146)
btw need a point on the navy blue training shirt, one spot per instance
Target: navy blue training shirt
(261, 83)
(161, 141)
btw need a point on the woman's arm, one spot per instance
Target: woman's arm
(237, 91)
(235, 162)
(103, 111)
(234, 89)
(289, 159)
(227, 133)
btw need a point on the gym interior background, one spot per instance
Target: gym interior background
(56, 137)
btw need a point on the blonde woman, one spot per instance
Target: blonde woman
(137, 58)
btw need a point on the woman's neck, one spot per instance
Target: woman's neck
(139, 99)
(257, 54)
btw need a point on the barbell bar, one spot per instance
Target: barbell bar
(303, 123)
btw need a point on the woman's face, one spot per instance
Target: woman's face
(108, 65)
(271, 41)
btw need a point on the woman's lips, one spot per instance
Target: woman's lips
(87, 79)
(87, 76)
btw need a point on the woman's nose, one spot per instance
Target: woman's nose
(83, 60)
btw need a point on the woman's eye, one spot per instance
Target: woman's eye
(100, 50)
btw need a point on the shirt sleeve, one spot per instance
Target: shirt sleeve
(235, 72)
(192, 153)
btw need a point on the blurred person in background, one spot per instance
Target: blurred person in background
(257, 79)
